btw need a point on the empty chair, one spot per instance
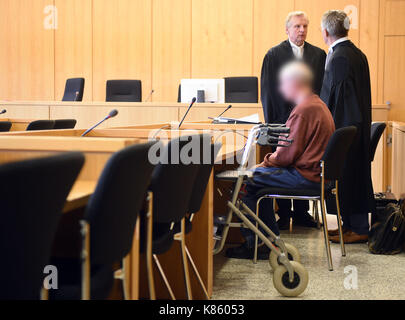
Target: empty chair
(171, 187)
(5, 126)
(124, 91)
(377, 130)
(41, 125)
(197, 197)
(108, 226)
(241, 90)
(65, 124)
(33, 194)
(74, 90)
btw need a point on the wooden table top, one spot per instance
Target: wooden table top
(79, 195)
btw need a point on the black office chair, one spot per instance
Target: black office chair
(74, 90)
(65, 124)
(172, 185)
(41, 125)
(332, 164)
(32, 194)
(241, 90)
(5, 126)
(108, 226)
(124, 91)
(377, 130)
(197, 197)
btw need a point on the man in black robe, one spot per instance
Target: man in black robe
(277, 109)
(347, 92)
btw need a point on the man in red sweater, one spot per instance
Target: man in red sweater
(297, 166)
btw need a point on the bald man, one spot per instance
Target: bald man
(297, 166)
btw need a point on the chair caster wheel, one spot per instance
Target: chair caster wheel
(293, 255)
(282, 282)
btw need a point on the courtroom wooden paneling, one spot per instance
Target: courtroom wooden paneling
(222, 38)
(369, 39)
(269, 28)
(394, 22)
(316, 8)
(162, 41)
(74, 45)
(171, 47)
(204, 113)
(26, 51)
(395, 76)
(90, 115)
(122, 43)
(22, 110)
(398, 151)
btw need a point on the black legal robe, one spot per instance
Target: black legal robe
(347, 92)
(276, 109)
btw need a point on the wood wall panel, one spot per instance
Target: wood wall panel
(395, 24)
(315, 9)
(73, 45)
(122, 43)
(395, 76)
(222, 38)
(26, 51)
(269, 28)
(171, 47)
(369, 39)
(163, 41)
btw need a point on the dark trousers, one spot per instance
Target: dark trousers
(286, 178)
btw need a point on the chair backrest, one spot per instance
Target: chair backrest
(377, 130)
(65, 124)
(242, 90)
(41, 125)
(32, 194)
(113, 209)
(173, 180)
(5, 126)
(124, 91)
(336, 152)
(74, 89)
(202, 179)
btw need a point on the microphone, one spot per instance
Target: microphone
(227, 109)
(150, 95)
(3, 112)
(188, 110)
(112, 114)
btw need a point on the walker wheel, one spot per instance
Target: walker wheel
(293, 255)
(281, 280)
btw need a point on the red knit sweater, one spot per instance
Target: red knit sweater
(312, 126)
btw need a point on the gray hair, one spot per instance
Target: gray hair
(336, 22)
(298, 71)
(295, 14)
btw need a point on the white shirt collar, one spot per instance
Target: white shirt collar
(337, 42)
(298, 51)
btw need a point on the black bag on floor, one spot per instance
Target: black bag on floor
(387, 235)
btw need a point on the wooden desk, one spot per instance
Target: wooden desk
(79, 195)
(98, 147)
(130, 114)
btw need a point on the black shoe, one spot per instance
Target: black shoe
(305, 220)
(246, 253)
(284, 223)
